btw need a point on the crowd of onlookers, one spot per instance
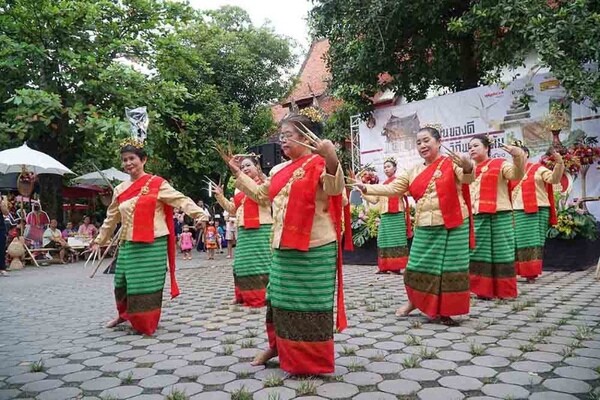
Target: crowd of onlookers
(209, 234)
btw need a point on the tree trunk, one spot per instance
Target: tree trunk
(51, 195)
(470, 70)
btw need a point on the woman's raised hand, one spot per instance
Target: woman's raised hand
(462, 160)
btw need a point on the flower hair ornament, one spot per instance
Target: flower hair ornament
(138, 123)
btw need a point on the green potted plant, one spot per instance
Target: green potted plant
(570, 244)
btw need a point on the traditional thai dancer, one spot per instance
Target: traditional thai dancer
(437, 274)
(394, 227)
(252, 260)
(144, 206)
(306, 195)
(492, 268)
(534, 211)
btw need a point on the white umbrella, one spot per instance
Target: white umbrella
(95, 178)
(13, 160)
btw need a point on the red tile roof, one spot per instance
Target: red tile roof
(314, 76)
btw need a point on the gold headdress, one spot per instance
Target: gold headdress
(437, 127)
(312, 113)
(134, 142)
(517, 143)
(390, 159)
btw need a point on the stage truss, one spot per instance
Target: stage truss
(355, 142)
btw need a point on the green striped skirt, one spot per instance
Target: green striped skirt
(437, 274)
(252, 264)
(492, 266)
(300, 308)
(530, 234)
(392, 244)
(139, 281)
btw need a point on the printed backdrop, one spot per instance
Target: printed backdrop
(505, 114)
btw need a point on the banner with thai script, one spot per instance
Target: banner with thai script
(514, 112)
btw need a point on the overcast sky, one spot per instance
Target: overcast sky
(287, 17)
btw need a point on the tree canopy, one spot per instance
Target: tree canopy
(68, 69)
(413, 46)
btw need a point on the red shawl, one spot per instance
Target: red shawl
(251, 211)
(299, 217)
(488, 190)
(528, 192)
(442, 171)
(147, 188)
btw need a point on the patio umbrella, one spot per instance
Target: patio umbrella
(13, 160)
(96, 178)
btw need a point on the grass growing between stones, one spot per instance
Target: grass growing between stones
(476, 349)
(228, 350)
(411, 362)
(177, 395)
(416, 324)
(526, 348)
(128, 379)
(517, 306)
(229, 340)
(241, 394)
(413, 340)
(37, 366)
(307, 387)
(355, 367)
(428, 354)
(583, 332)
(348, 351)
(247, 344)
(273, 381)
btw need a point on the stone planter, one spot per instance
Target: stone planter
(365, 255)
(570, 255)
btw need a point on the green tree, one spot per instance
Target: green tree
(64, 85)
(454, 44)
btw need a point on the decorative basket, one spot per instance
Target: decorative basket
(16, 251)
(26, 183)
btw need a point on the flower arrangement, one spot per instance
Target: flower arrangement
(583, 152)
(557, 119)
(369, 177)
(571, 161)
(574, 222)
(365, 224)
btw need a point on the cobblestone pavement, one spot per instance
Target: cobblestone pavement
(543, 346)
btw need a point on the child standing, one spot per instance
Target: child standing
(210, 239)
(186, 243)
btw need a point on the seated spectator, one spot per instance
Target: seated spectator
(87, 229)
(69, 231)
(53, 240)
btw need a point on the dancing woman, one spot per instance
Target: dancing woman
(394, 227)
(437, 275)
(252, 260)
(534, 210)
(306, 195)
(492, 268)
(144, 206)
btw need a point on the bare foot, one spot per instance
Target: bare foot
(115, 322)
(530, 280)
(235, 301)
(404, 310)
(262, 358)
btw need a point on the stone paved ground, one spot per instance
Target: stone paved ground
(543, 346)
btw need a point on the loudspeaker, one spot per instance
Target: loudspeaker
(270, 155)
